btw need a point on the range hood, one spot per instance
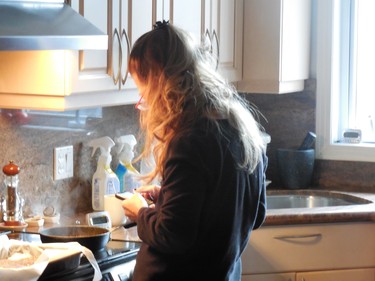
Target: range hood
(46, 25)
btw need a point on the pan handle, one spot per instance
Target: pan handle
(126, 226)
(129, 225)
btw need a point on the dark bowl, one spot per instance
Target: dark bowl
(94, 238)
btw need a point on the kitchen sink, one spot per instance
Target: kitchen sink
(312, 199)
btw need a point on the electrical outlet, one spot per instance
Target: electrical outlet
(63, 162)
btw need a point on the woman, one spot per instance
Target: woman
(210, 157)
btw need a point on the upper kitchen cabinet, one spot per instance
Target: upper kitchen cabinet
(71, 79)
(276, 46)
(97, 69)
(218, 23)
(124, 21)
(224, 20)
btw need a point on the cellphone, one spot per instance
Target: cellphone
(127, 195)
(124, 195)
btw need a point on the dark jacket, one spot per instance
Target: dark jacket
(206, 210)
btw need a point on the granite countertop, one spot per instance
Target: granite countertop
(362, 212)
(348, 213)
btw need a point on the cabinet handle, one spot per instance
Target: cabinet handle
(116, 77)
(211, 38)
(125, 35)
(316, 236)
(207, 37)
(215, 39)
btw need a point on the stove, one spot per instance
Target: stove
(116, 262)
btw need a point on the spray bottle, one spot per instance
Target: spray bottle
(148, 165)
(104, 181)
(125, 171)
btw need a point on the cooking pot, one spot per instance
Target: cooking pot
(92, 237)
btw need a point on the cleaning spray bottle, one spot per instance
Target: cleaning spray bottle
(104, 180)
(148, 165)
(125, 171)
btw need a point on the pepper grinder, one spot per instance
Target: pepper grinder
(12, 205)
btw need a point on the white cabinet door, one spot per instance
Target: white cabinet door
(316, 247)
(142, 13)
(138, 17)
(188, 16)
(223, 27)
(361, 274)
(124, 21)
(95, 71)
(162, 10)
(276, 46)
(119, 45)
(365, 274)
(230, 33)
(131, 19)
(220, 24)
(270, 277)
(105, 72)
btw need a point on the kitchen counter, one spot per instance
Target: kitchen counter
(293, 216)
(350, 213)
(116, 260)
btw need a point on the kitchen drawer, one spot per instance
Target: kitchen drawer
(310, 247)
(289, 276)
(363, 274)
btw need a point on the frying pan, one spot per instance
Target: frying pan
(92, 237)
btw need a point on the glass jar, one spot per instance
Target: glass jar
(12, 204)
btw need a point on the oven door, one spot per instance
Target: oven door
(121, 272)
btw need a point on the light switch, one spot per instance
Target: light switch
(63, 162)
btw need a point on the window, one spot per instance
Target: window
(345, 78)
(360, 112)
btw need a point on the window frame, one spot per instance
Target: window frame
(328, 41)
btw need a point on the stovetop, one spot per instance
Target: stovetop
(115, 254)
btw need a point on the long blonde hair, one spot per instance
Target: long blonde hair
(181, 87)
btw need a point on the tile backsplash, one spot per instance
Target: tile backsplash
(289, 118)
(29, 137)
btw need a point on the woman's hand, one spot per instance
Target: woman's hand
(133, 205)
(149, 192)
